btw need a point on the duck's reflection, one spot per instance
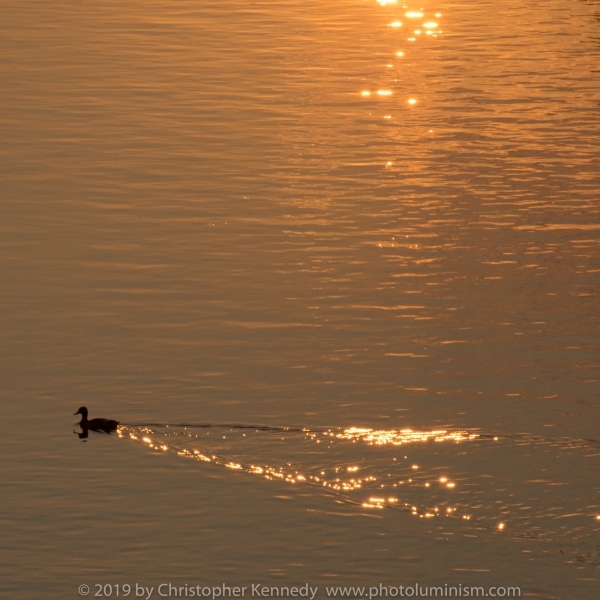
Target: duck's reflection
(83, 434)
(85, 430)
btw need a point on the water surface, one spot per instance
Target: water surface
(302, 216)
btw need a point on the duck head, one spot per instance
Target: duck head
(83, 411)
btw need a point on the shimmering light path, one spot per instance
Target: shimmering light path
(461, 475)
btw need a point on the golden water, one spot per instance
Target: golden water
(371, 224)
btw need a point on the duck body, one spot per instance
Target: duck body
(98, 424)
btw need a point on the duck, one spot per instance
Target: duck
(106, 425)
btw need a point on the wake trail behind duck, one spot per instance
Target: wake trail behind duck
(526, 486)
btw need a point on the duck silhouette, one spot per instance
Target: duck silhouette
(106, 425)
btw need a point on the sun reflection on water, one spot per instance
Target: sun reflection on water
(362, 467)
(404, 436)
(336, 479)
(431, 31)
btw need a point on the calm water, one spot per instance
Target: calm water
(370, 228)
